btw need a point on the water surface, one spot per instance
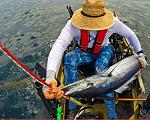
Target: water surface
(29, 27)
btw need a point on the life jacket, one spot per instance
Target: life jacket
(97, 44)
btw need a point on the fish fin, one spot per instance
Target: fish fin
(70, 86)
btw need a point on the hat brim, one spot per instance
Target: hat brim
(92, 23)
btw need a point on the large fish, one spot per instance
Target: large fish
(105, 82)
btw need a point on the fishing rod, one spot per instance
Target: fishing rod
(40, 80)
(59, 109)
(70, 11)
(30, 73)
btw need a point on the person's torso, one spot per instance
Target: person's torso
(92, 37)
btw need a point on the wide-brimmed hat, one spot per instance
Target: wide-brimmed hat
(93, 16)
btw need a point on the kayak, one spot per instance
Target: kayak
(126, 100)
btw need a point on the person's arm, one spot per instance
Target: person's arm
(122, 29)
(125, 31)
(55, 58)
(60, 45)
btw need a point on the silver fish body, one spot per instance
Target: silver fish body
(109, 80)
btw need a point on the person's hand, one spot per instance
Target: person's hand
(142, 60)
(54, 91)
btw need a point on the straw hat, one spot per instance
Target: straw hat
(92, 16)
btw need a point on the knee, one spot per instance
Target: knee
(104, 58)
(108, 52)
(70, 59)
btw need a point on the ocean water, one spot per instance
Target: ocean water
(29, 28)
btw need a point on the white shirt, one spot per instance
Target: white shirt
(69, 32)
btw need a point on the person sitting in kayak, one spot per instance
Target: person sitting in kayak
(91, 26)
